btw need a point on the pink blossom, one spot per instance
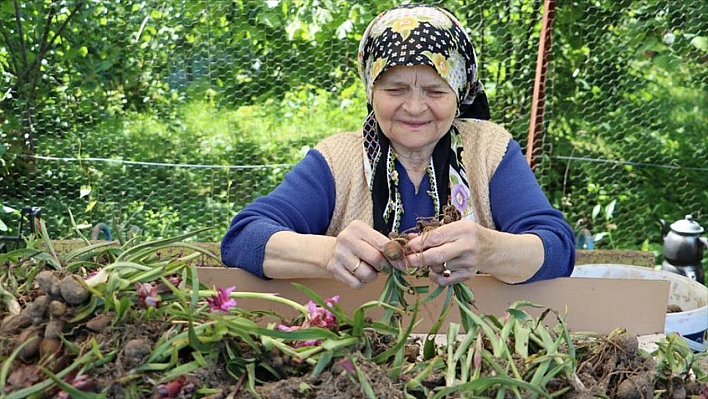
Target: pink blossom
(309, 342)
(80, 382)
(317, 317)
(347, 365)
(221, 300)
(172, 388)
(321, 317)
(299, 344)
(164, 288)
(92, 274)
(147, 295)
(283, 327)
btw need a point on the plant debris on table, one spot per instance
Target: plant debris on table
(103, 321)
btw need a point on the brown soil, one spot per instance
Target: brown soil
(333, 384)
(56, 334)
(607, 367)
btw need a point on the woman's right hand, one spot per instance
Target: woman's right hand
(358, 255)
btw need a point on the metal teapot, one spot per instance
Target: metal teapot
(683, 247)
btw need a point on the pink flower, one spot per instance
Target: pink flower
(347, 365)
(221, 300)
(147, 295)
(80, 382)
(283, 327)
(299, 344)
(164, 288)
(92, 274)
(172, 388)
(317, 317)
(321, 317)
(309, 342)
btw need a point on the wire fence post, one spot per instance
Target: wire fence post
(538, 101)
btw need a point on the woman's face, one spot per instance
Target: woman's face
(414, 106)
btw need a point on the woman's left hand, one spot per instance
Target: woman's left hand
(453, 251)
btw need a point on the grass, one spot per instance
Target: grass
(209, 162)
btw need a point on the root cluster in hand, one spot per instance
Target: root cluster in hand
(397, 248)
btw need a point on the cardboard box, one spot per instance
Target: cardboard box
(592, 304)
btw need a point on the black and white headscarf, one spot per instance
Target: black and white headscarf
(412, 35)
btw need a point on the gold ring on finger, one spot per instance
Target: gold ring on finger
(356, 267)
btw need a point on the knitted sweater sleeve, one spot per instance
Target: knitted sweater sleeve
(303, 202)
(519, 206)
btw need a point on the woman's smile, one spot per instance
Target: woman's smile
(414, 124)
(415, 107)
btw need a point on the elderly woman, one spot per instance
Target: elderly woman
(424, 145)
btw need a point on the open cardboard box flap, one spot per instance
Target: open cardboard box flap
(598, 305)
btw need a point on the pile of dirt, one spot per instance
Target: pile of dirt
(54, 328)
(607, 368)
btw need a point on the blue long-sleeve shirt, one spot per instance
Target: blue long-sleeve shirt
(304, 203)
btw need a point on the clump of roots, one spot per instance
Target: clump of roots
(397, 248)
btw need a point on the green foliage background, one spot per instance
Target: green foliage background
(172, 115)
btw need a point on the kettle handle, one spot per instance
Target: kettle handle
(664, 229)
(704, 241)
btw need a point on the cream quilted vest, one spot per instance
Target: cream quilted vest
(484, 144)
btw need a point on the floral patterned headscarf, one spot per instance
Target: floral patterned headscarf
(412, 35)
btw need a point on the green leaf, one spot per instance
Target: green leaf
(322, 363)
(596, 211)
(90, 206)
(610, 209)
(432, 295)
(700, 42)
(194, 341)
(68, 388)
(85, 311)
(305, 334)
(181, 370)
(195, 284)
(141, 250)
(417, 381)
(89, 251)
(465, 346)
(521, 339)
(429, 345)
(84, 191)
(498, 348)
(452, 332)
(402, 340)
(364, 381)
(480, 385)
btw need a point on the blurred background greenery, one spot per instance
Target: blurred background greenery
(168, 116)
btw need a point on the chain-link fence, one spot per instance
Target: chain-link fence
(168, 116)
(626, 141)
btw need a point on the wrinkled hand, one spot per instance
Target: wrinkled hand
(453, 252)
(358, 255)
